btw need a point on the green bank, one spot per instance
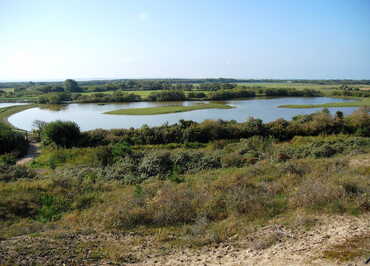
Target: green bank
(168, 109)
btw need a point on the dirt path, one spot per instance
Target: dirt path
(33, 152)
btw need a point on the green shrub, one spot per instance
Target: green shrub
(12, 142)
(51, 208)
(64, 134)
(121, 149)
(104, 156)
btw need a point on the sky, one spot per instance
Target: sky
(96, 39)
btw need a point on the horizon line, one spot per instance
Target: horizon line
(179, 78)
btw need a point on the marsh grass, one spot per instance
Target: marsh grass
(168, 109)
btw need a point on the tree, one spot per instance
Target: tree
(71, 86)
(61, 133)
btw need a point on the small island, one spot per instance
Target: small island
(168, 109)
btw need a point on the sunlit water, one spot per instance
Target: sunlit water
(91, 116)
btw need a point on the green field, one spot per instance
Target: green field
(168, 109)
(359, 103)
(268, 85)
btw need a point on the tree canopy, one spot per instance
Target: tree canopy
(71, 85)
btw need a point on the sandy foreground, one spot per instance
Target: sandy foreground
(300, 248)
(291, 247)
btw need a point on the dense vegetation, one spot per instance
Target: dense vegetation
(189, 131)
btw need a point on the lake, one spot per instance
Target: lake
(90, 116)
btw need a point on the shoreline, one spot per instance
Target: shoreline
(6, 112)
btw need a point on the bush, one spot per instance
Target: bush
(64, 134)
(12, 142)
(155, 164)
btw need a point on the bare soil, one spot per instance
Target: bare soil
(33, 152)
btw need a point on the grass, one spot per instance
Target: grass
(8, 111)
(168, 109)
(357, 103)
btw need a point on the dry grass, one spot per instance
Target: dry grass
(357, 246)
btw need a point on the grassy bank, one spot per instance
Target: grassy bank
(8, 111)
(364, 102)
(168, 109)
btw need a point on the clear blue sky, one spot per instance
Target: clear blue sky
(58, 39)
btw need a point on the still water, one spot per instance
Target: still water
(91, 116)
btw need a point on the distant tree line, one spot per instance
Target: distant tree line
(352, 93)
(289, 92)
(184, 81)
(116, 96)
(180, 95)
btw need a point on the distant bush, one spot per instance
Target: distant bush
(196, 95)
(54, 98)
(116, 96)
(290, 92)
(231, 94)
(172, 95)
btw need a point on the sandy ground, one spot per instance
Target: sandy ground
(293, 247)
(297, 248)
